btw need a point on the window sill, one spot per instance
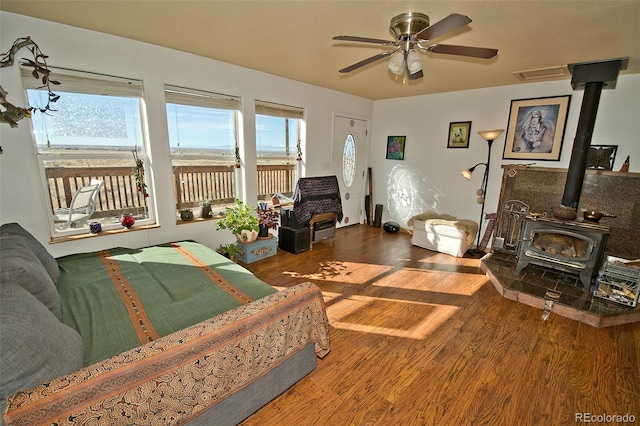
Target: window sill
(76, 237)
(197, 219)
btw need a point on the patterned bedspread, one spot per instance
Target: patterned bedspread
(174, 378)
(121, 298)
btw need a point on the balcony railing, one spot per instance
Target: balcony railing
(192, 184)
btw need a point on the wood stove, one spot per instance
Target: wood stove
(569, 246)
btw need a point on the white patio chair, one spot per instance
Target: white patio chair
(82, 207)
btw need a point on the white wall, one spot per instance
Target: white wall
(434, 171)
(21, 199)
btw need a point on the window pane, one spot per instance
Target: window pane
(199, 130)
(276, 139)
(88, 122)
(349, 161)
(276, 150)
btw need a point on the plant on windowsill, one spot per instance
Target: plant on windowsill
(240, 220)
(205, 209)
(267, 219)
(186, 214)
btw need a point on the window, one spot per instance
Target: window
(349, 161)
(278, 145)
(203, 139)
(91, 136)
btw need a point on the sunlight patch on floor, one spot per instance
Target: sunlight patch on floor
(445, 259)
(400, 318)
(346, 272)
(433, 281)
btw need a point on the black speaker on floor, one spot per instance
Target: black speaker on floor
(377, 220)
(391, 227)
(294, 240)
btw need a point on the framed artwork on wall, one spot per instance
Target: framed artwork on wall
(395, 147)
(536, 128)
(459, 132)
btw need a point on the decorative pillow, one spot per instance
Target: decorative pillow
(48, 261)
(36, 347)
(19, 265)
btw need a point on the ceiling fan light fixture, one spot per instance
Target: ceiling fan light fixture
(414, 63)
(411, 31)
(396, 63)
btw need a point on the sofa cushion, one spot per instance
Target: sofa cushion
(20, 266)
(36, 347)
(48, 261)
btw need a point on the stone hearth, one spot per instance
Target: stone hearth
(531, 285)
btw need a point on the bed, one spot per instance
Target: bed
(168, 334)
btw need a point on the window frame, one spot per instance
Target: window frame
(95, 84)
(177, 95)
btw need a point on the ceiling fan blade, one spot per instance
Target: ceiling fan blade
(475, 52)
(450, 23)
(365, 40)
(365, 62)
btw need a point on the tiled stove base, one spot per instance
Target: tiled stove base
(531, 287)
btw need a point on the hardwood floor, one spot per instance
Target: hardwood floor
(423, 338)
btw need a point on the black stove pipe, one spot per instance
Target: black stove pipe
(581, 143)
(593, 77)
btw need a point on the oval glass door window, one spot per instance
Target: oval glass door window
(349, 161)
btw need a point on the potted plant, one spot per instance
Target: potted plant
(240, 220)
(205, 209)
(229, 251)
(267, 219)
(186, 214)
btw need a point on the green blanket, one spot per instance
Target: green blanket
(121, 298)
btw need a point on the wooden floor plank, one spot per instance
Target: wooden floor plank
(423, 338)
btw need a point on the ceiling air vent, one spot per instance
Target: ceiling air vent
(535, 74)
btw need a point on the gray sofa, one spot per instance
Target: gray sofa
(35, 346)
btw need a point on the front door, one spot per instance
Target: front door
(348, 162)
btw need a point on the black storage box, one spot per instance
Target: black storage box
(294, 240)
(288, 219)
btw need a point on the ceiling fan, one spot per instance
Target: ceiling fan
(412, 33)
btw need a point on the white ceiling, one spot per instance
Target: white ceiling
(293, 39)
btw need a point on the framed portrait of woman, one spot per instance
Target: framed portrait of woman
(536, 128)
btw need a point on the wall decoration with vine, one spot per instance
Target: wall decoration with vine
(10, 113)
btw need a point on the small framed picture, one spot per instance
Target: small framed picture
(459, 132)
(536, 128)
(395, 147)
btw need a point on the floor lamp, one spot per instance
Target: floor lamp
(489, 136)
